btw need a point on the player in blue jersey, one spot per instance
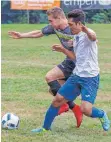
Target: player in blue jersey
(59, 74)
(85, 77)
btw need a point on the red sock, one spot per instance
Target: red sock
(63, 108)
(78, 114)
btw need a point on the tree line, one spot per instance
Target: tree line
(9, 16)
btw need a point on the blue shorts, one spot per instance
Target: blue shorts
(75, 85)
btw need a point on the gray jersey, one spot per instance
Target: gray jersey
(86, 52)
(63, 35)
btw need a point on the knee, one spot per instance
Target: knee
(55, 103)
(57, 100)
(48, 77)
(86, 110)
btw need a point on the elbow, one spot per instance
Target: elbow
(94, 39)
(72, 57)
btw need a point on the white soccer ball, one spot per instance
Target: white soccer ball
(10, 121)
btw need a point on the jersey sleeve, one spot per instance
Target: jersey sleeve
(48, 30)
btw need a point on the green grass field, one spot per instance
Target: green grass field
(25, 92)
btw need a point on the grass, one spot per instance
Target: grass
(25, 93)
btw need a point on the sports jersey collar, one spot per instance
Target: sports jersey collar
(63, 29)
(77, 36)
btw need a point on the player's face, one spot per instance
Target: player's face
(54, 22)
(75, 27)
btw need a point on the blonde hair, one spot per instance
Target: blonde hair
(56, 12)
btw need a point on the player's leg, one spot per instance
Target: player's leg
(89, 110)
(74, 107)
(89, 91)
(53, 77)
(66, 92)
(51, 113)
(67, 67)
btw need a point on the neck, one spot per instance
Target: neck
(78, 32)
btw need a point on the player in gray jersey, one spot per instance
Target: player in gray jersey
(59, 74)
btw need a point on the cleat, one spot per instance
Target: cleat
(39, 130)
(105, 122)
(78, 115)
(63, 108)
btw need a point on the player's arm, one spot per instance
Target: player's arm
(91, 35)
(60, 48)
(47, 30)
(32, 34)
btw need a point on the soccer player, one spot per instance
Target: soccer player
(85, 77)
(59, 26)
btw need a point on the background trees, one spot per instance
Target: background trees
(39, 16)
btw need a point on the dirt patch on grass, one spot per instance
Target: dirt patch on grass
(105, 67)
(104, 96)
(21, 109)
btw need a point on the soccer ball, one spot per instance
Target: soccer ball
(10, 121)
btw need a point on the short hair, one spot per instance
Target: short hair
(56, 12)
(77, 15)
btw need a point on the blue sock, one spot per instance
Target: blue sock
(51, 113)
(97, 113)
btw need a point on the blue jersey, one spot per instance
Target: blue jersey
(63, 35)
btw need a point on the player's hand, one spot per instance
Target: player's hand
(70, 43)
(84, 28)
(15, 35)
(58, 47)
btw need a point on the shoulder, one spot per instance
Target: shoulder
(48, 27)
(48, 30)
(67, 30)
